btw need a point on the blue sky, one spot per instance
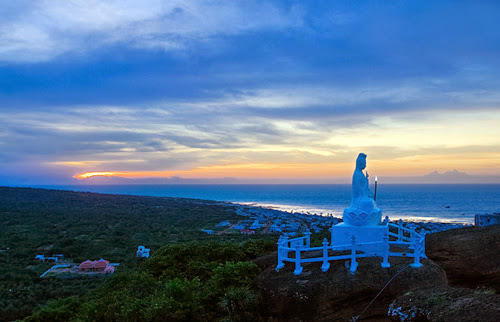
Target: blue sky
(248, 89)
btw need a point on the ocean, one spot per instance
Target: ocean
(422, 202)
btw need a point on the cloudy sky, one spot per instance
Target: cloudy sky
(269, 90)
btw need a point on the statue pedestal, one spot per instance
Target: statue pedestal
(364, 216)
(342, 235)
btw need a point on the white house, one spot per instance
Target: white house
(142, 252)
(482, 220)
(255, 224)
(275, 228)
(224, 223)
(55, 258)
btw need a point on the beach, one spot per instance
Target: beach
(291, 223)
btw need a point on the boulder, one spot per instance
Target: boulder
(470, 256)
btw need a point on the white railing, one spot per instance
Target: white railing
(404, 237)
(407, 237)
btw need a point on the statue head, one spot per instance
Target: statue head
(361, 161)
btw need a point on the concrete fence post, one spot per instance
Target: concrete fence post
(285, 244)
(308, 238)
(400, 230)
(412, 240)
(280, 254)
(298, 267)
(416, 250)
(422, 242)
(354, 263)
(326, 263)
(385, 260)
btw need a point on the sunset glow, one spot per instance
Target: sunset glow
(413, 166)
(281, 170)
(86, 175)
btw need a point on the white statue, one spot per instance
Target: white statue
(363, 210)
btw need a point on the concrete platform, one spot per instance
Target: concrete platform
(342, 235)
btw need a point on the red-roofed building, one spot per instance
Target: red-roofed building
(101, 265)
(247, 231)
(86, 266)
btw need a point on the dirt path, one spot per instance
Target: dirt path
(225, 230)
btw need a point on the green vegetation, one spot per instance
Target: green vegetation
(184, 282)
(192, 276)
(439, 300)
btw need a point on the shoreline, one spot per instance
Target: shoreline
(288, 209)
(409, 205)
(325, 213)
(253, 209)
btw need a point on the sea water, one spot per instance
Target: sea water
(436, 202)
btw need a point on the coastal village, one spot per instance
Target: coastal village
(260, 220)
(254, 220)
(266, 220)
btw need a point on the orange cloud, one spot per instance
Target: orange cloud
(87, 175)
(254, 170)
(409, 166)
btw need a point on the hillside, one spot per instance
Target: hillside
(198, 277)
(84, 226)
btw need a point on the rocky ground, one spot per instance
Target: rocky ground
(459, 282)
(446, 304)
(470, 256)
